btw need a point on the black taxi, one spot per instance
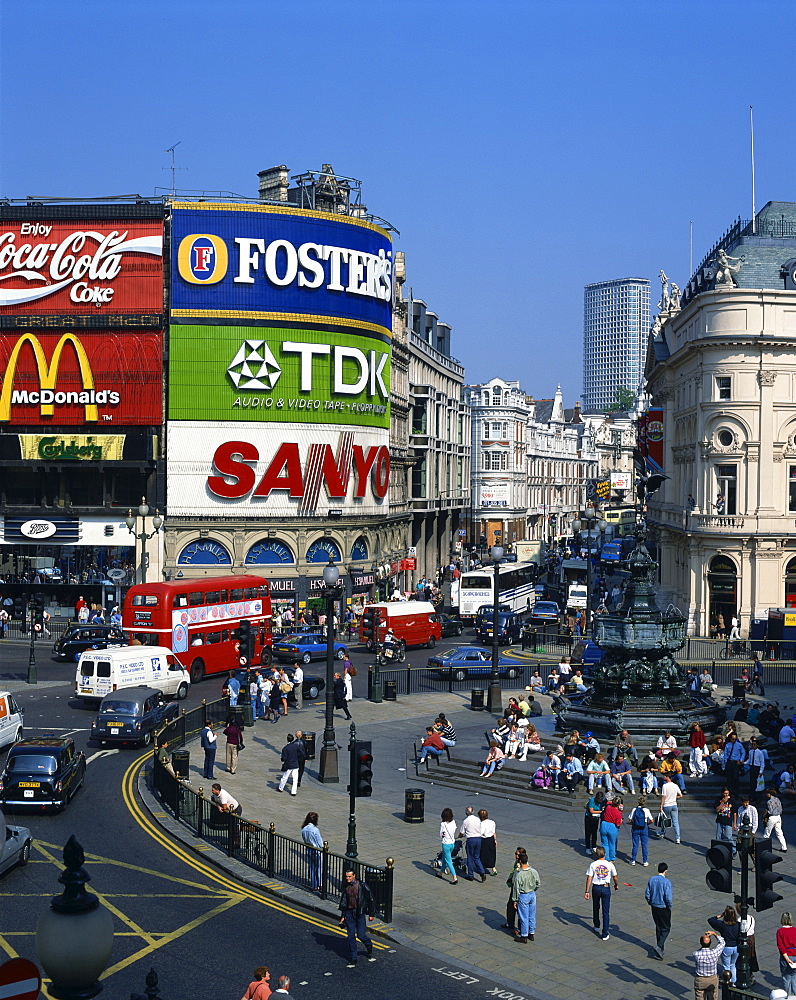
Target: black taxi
(132, 715)
(43, 773)
(78, 638)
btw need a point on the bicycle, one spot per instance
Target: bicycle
(735, 648)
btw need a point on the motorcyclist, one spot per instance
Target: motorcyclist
(391, 644)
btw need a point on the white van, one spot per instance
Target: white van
(10, 719)
(102, 671)
(577, 596)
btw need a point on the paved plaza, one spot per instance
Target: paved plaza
(461, 923)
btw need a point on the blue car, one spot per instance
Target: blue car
(305, 647)
(471, 661)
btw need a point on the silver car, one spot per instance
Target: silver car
(16, 848)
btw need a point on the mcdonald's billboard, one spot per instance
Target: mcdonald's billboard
(92, 266)
(98, 378)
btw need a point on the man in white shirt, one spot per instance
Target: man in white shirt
(298, 684)
(471, 831)
(670, 793)
(786, 734)
(747, 812)
(224, 801)
(666, 744)
(599, 876)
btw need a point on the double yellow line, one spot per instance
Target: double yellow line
(128, 794)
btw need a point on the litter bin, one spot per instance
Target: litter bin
(248, 714)
(414, 805)
(309, 745)
(236, 714)
(391, 690)
(181, 762)
(738, 689)
(477, 699)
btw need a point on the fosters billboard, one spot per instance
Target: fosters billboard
(279, 315)
(279, 362)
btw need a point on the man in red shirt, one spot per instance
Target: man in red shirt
(432, 744)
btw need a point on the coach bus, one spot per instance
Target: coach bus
(515, 588)
(195, 619)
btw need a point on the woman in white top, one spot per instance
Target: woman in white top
(349, 685)
(748, 925)
(531, 743)
(488, 842)
(447, 834)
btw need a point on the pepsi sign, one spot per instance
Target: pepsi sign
(265, 262)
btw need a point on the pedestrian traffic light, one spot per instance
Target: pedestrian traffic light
(765, 859)
(362, 768)
(719, 856)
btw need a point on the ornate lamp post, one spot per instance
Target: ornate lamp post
(495, 696)
(328, 772)
(74, 937)
(142, 536)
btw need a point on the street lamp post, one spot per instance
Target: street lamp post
(495, 696)
(328, 772)
(142, 536)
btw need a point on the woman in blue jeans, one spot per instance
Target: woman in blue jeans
(311, 836)
(447, 834)
(726, 924)
(670, 793)
(524, 883)
(609, 827)
(640, 820)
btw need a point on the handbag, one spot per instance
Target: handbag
(352, 670)
(663, 821)
(285, 687)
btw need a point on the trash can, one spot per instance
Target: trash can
(738, 689)
(181, 762)
(248, 713)
(391, 690)
(309, 745)
(414, 805)
(236, 714)
(477, 699)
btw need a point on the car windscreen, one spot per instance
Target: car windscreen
(116, 707)
(31, 763)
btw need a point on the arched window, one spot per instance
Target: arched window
(723, 587)
(322, 550)
(359, 550)
(269, 551)
(790, 584)
(204, 552)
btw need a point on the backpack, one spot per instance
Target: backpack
(540, 780)
(639, 820)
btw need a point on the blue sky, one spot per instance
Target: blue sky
(523, 149)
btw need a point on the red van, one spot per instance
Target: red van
(415, 622)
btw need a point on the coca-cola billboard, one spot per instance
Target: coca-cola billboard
(94, 266)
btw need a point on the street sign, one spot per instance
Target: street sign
(19, 980)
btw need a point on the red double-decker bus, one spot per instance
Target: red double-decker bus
(195, 619)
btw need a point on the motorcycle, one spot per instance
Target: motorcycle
(392, 653)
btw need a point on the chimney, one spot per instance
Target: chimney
(273, 184)
(576, 412)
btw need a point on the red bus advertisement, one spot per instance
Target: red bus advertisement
(195, 619)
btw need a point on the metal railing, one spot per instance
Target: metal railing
(263, 849)
(417, 680)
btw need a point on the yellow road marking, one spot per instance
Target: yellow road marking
(7, 948)
(135, 927)
(199, 866)
(171, 936)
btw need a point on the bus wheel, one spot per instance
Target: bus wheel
(266, 657)
(197, 671)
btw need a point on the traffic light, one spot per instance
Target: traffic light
(719, 856)
(19, 608)
(362, 769)
(369, 626)
(765, 859)
(243, 633)
(38, 612)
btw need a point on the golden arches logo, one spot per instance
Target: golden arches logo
(48, 372)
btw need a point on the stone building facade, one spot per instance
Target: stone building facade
(722, 364)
